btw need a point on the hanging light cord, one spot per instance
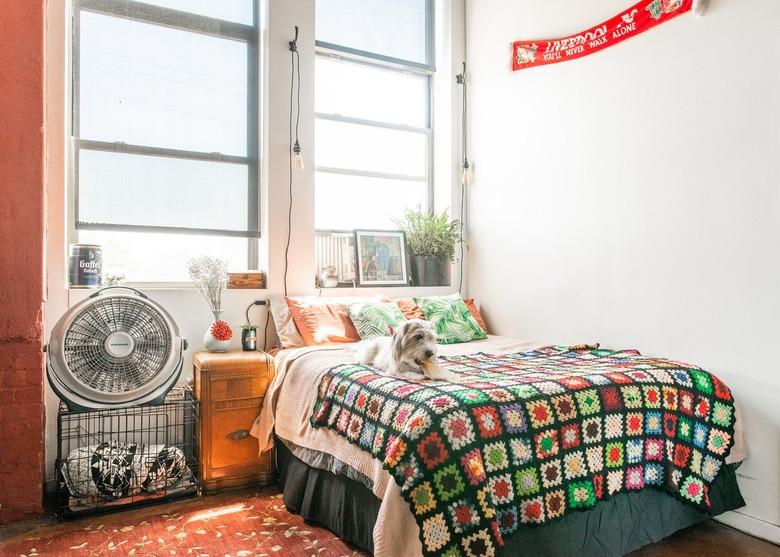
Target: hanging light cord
(461, 80)
(295, 70)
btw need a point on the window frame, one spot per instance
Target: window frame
(425, 70)
(189, 22)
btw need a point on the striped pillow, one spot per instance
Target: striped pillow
(451, 319)
(374, 319)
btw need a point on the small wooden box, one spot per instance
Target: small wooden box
(231, 387)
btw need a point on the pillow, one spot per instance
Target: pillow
(286, 327)
(374, 319)
(164, 471)
(114, 469)
(450, 318)
(286, 330)
(409, 309)
(322, 323)
(474, 311)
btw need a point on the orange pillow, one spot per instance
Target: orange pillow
(322, 323)
(409, 309)
(475, 313)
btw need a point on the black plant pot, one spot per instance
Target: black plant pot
(430, 270)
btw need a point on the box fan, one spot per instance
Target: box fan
(116, 348)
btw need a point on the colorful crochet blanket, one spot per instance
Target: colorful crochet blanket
(529, 437)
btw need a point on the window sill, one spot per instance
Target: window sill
(155, 286)
(391, 291)
(341, 290)
(343, 285)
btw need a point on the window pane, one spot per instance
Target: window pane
(152, 85)
(368, 148)
(347, 202)
(395, 28)
(370, 93)
(239, 11)
(153, 257)
(117, 188)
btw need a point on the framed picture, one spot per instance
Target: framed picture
(380, 258)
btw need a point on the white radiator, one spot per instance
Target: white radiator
(335, 248)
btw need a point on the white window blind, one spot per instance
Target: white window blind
(165, 117)
(388, 28)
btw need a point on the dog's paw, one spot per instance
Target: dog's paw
(435, 372)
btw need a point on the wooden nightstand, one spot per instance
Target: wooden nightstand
(231, 387)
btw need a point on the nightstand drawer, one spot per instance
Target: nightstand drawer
(237, 387)
(231, 444)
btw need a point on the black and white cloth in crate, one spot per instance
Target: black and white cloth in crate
(112, 469)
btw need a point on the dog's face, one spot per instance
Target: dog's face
(414, 344)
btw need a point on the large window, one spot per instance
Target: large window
(165, 133)
(373, 113)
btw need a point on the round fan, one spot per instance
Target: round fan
(116, 348)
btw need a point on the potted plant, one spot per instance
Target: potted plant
(431, 241)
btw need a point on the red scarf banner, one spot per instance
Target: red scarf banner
(636, 19)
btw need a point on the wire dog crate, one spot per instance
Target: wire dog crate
(112, 459)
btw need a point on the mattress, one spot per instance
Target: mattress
(288, 407)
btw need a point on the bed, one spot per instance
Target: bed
(334, 482)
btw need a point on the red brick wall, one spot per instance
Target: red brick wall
(22, 273)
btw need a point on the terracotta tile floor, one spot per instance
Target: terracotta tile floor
(255, 523)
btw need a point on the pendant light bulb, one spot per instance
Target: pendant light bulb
(465, 176)
(298, 159)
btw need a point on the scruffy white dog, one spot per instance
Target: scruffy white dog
(412, 348)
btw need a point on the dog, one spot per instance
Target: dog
(412, 348)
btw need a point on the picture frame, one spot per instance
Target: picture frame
(380, 258)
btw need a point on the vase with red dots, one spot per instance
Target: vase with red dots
(218, 335)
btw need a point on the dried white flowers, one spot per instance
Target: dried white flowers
(211, 277)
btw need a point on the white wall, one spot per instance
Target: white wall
(187, 307)
(632, 198)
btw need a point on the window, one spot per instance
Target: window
(165, 133)
(373, 114)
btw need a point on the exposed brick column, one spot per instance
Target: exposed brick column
(22, 262)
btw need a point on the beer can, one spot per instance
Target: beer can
(249, 338)
(85, 266)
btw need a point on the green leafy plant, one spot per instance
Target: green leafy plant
(430, 234)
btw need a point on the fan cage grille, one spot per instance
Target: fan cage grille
(84, 349)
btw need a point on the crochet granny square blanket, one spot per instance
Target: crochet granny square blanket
(528, 437)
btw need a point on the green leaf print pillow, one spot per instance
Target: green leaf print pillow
(374, 319)
(450, 318)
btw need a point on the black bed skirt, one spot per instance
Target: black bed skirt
(616, 526)
(344, 506)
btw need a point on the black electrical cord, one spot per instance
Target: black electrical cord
(461, 241)
(461, 79)
(248, 322)
(267, 314)
(298, 94)
(294, 57)
(265, 328)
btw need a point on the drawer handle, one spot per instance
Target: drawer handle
(238, 435)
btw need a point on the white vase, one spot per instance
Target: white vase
(210, 342)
